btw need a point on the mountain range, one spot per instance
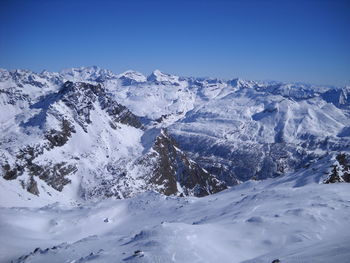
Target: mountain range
(87, 133)
(104, 167)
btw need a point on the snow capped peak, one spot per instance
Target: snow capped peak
(22, 71)
(157, 72)
(235, 82)
(90, 69)
(3, 70)
(337, 96)
(163, 78)
(91, 73)
(241, 83)
(130, 77)
(18, 74)
(4, 74)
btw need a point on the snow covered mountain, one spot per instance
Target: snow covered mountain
(240, 129)
(71, 142)
(89, 133)
(78, 136)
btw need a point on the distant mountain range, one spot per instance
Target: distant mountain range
(88, 134)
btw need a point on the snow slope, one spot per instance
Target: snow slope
(76, 141)
(72, 142)
(294, 218)
(241, 129)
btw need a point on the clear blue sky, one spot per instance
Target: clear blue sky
(292, 40)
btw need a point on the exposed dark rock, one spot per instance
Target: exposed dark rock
(38, 251)
(172, 173)
(59, 138)
(119, 112)
(233, 164)
(173, 168)
(53, 174)
(81, 97)
(10, 173)
(32, 186)
(29, 153)
(24, 159)
(138, 253)
(22, 77)
(162, 118)
(13, 95)
(340, 171)
(340, 97)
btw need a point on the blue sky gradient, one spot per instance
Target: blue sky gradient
(306, 41)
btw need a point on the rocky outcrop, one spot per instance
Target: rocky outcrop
(340, 97)
(81, 98)
(60, 137)
(176, 173)
(340, 170)
(32, 186)
(54, 174)
(57, 116)
(13, 95)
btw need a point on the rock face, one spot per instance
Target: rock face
(55, 128)
(340, 170)
(177, 173)
(339, 97)
(81, 97)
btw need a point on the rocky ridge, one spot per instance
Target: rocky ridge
(100, 134)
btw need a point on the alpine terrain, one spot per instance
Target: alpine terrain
(104, 167)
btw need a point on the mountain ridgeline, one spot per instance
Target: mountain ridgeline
(87, 133)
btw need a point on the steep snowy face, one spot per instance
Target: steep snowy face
(174, 170)
(160, 103)
(241, 129)
(79, 142)
(29, 83)
(47, 148)
(239, 132)
(339, 97)
(163, 78)
(131, 77)
(87, 74)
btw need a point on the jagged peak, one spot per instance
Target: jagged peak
(157, 72)
(81, 69)
(21, 72)
(131, 76)
(160, 77)
(90, 73)
(4, 74)
(70, 86)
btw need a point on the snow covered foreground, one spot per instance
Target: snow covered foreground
(293, 218)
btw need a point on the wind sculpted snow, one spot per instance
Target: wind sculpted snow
(253, 222)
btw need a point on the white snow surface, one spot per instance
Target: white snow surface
(293, 218)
